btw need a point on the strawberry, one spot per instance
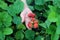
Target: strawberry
(32, 19)
(35, 25)
(31, 15)
(36, 21)
(30, 25)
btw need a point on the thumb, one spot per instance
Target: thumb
(22, 15)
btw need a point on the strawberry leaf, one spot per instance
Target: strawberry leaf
(5, 19)
(52, 17)
(7, 31)
(15, 8)
(3, 5)
(39, 2)
(16, 20)
(2, 36)
(29, 34)
(19, 35)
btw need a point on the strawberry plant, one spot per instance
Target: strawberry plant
(41, 19)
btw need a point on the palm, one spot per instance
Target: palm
(24, 15)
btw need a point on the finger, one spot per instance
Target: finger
(23, 16)
(26, 22)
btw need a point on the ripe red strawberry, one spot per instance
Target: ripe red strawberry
(35, 25)
(31, 15)
(30, 25)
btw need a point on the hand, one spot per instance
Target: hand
(28, 17)
(24, 16)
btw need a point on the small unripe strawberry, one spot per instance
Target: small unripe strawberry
(30, 25)
(35, 25)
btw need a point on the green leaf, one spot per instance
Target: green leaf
(16, 8)
(11, 1)
(52, 17)
(31, 7)
(7, 31)
(29, 1)
(2, 36)
(58, 25)
(39, 2)
(43, 25)
(47, 0)
(29, 34)
(47, 37)
(38, 7)
(16, 20)
(56, 3)
(0, 24)
(9, 38)
(51, 29)
(3, 5)
(19, 6)
(19, 35)
(5, 19)
(57, 33)
(55, 37)
(39, 38)
(21, 26)
(46, 24)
